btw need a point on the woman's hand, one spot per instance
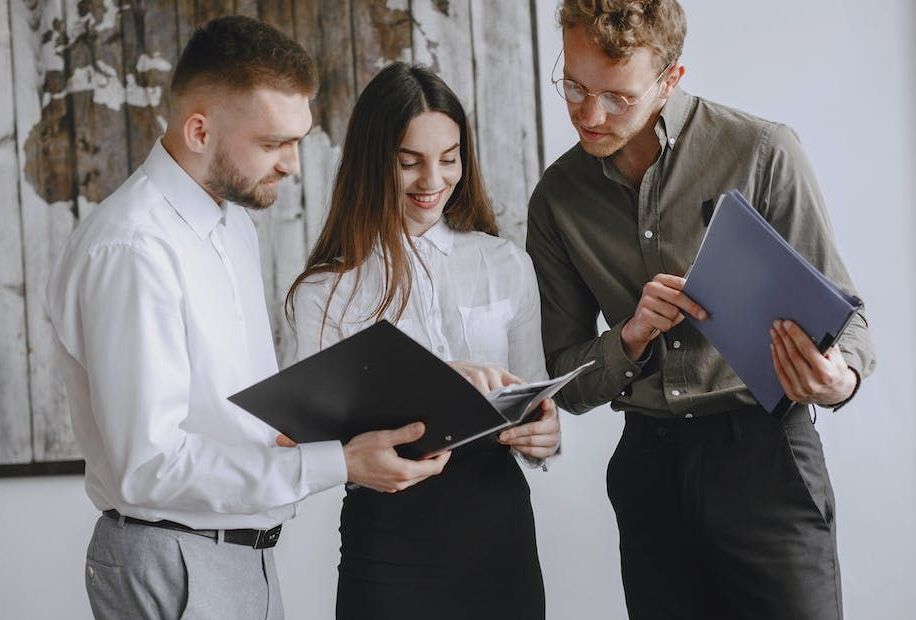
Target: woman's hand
(537, 440)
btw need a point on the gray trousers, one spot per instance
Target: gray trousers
(144, 572)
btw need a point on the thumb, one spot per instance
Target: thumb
(408, 433)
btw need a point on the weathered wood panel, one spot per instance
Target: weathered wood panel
(381, 34)
(15, 422)
(323, 27)
(281, 228)
(150, 47)
(95, 89)
(44, 122)
(507, 114)
(442, 41)
(90, 97)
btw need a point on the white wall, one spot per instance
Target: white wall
(842, 76)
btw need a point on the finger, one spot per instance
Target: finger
(498, 377)
(285, 442)
(806, 347)
(549, 407)
(426, 468)
(540, 441)
(799, 360)
(671, 280)
(673, 292)
(781, 376)
(662, 307)
(684, 303)
(405, 434)
(657, 321)
(788, 368)
(541, 427)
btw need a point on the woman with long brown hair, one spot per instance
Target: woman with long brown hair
(411, 238)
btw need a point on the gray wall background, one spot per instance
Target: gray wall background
(843, 74)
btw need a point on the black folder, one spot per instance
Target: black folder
(381, 379)
(746, 276)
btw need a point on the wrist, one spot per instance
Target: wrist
(845, 389)
(633, 346)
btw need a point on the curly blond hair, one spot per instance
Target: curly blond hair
(620, 27)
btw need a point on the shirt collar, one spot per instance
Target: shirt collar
(187, 197)
(441, 236)
(673, 118)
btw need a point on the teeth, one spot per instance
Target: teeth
(426, 198)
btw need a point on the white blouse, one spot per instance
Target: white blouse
(478, 302)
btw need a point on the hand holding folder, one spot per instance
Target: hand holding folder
(747, 277)
(380, 379)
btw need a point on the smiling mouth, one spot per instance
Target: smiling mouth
(426, 201)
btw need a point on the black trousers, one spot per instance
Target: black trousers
(458, 546)
(725, 517)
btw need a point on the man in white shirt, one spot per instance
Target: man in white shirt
(158, 307)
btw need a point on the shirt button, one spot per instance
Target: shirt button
(671, 141)
(648, 234)
(629, 374)
(675, 392)
(688, 415)
(91, 572)
(440, 349)
(676, 344)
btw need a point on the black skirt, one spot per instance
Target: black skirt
(456, 546)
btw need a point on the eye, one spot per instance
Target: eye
(448, 162)
(409, 164)
(270, 147)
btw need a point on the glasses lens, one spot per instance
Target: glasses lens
(612, 104)
(571, 91)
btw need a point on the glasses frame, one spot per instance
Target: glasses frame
(627, 104)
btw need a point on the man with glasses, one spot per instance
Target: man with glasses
(723, 510)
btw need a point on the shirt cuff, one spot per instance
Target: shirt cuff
(843, 403)
(323, 465)
(616, 363)
(533, 463)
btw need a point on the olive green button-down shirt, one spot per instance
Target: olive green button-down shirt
(596, 240)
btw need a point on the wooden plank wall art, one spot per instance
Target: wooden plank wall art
(83, 95)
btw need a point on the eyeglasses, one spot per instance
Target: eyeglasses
(611, 102)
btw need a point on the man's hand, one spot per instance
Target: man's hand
(662, 306)
(484, 377)
(372, 461)
(537, 440)
(807, 375)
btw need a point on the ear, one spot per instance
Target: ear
(195, 132)
(672, 79)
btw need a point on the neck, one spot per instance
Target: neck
(183, 157)
(637, 155)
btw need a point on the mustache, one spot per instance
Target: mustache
(274, 177)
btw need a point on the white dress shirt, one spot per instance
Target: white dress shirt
(478, 302)
(158, 306)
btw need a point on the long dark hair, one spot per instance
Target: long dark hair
(367, 208)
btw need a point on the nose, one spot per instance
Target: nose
(590, 113)
(288, 163)
(430, 177)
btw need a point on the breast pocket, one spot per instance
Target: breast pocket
(486, 331)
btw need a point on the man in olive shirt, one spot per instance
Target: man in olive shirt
(724, 511)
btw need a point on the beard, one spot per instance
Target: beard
(225, 180)
(616, 139)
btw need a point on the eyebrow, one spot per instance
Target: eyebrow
(448, 150)
(280, 138)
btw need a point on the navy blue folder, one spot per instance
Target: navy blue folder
(746, 276)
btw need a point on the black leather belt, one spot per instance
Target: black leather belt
(257, 539)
